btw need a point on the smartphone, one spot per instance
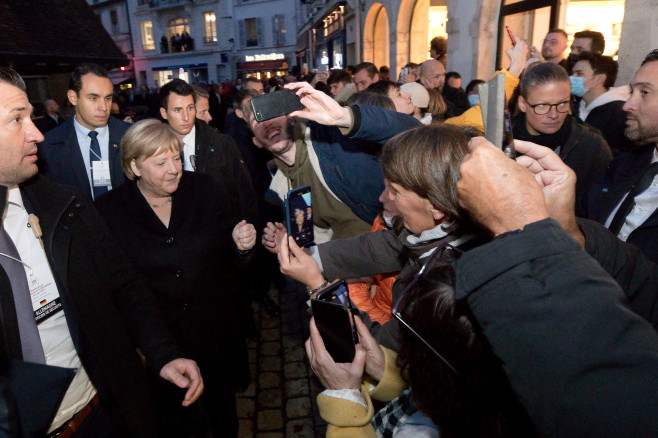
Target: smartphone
(508, 138)
(511, 37)
(299, 215)
(270, 105)
(333, 316)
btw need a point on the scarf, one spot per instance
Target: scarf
(552, 141)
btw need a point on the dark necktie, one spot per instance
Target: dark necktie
(629, 202)
(27, 325)
(95, 155)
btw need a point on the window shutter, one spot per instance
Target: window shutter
(275, 30)
(282, 29)
(243, 33)
(261, 35)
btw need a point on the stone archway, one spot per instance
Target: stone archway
(376, 36)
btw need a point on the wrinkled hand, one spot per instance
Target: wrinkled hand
(557, 182)
(297, 264)
(184, 373)
(375, 359)
(244, 235)
(319, 107)
(273, 233)
(518, 55)
(497, 192)
(333, 375)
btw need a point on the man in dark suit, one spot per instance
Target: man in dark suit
(206, 150)
(51, 119)
(84, 306)
(84, 151)
(626, 199)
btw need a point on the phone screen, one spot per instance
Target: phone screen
(299, 214)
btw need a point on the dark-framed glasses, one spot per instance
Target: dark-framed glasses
(403, 300)
(544, 108)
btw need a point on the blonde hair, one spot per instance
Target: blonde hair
(144, 139)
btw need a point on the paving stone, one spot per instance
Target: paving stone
(270, 435)
(245, 407)
(252, 356)
(250, 391)
(295, 370)
(294, 354)
(289, 341)
(246, 429)
(270, 363)
(268, 380)
(270, 398)
(270, 348)
(296, 388)
(269, 322)
(292, 327)
(270, 335)
(298, 407)
(299, 429)
(270, 420)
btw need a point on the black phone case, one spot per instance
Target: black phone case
(335, 326)
(270, 105)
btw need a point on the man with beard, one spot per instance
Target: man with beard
(626, 199)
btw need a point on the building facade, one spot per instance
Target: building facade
(115, 18)
(210, 40)
(395, 32)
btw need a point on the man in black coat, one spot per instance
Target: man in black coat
(545, 102)
(634, 172)
(51, 119)
(90, 308)
(601, 105)
(67, 154)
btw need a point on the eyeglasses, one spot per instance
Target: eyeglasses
(401, 303)
(544, 108)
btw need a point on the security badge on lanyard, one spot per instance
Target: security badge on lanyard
(100, 172)
(43, 291)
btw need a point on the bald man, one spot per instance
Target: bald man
(432, 74)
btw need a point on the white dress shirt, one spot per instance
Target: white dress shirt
(645, 204)
(53, 331)
(189, 149)
(84, 141)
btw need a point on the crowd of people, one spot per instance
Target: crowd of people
(492, 297)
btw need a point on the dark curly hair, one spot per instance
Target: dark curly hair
(479, 401)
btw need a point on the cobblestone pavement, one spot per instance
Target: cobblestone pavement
(280, 402)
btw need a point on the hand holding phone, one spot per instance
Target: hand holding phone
(333, 316)
(271, 105)
(331, 374)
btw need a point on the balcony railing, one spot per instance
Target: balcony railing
(165, 3)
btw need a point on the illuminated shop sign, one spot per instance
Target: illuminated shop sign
(264, 57)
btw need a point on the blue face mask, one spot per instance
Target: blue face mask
(473, 99)
(578, 87)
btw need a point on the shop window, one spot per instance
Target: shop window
(147, 35)
(279, 29)
(251, 32)
(210, 30)
(601, 16)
